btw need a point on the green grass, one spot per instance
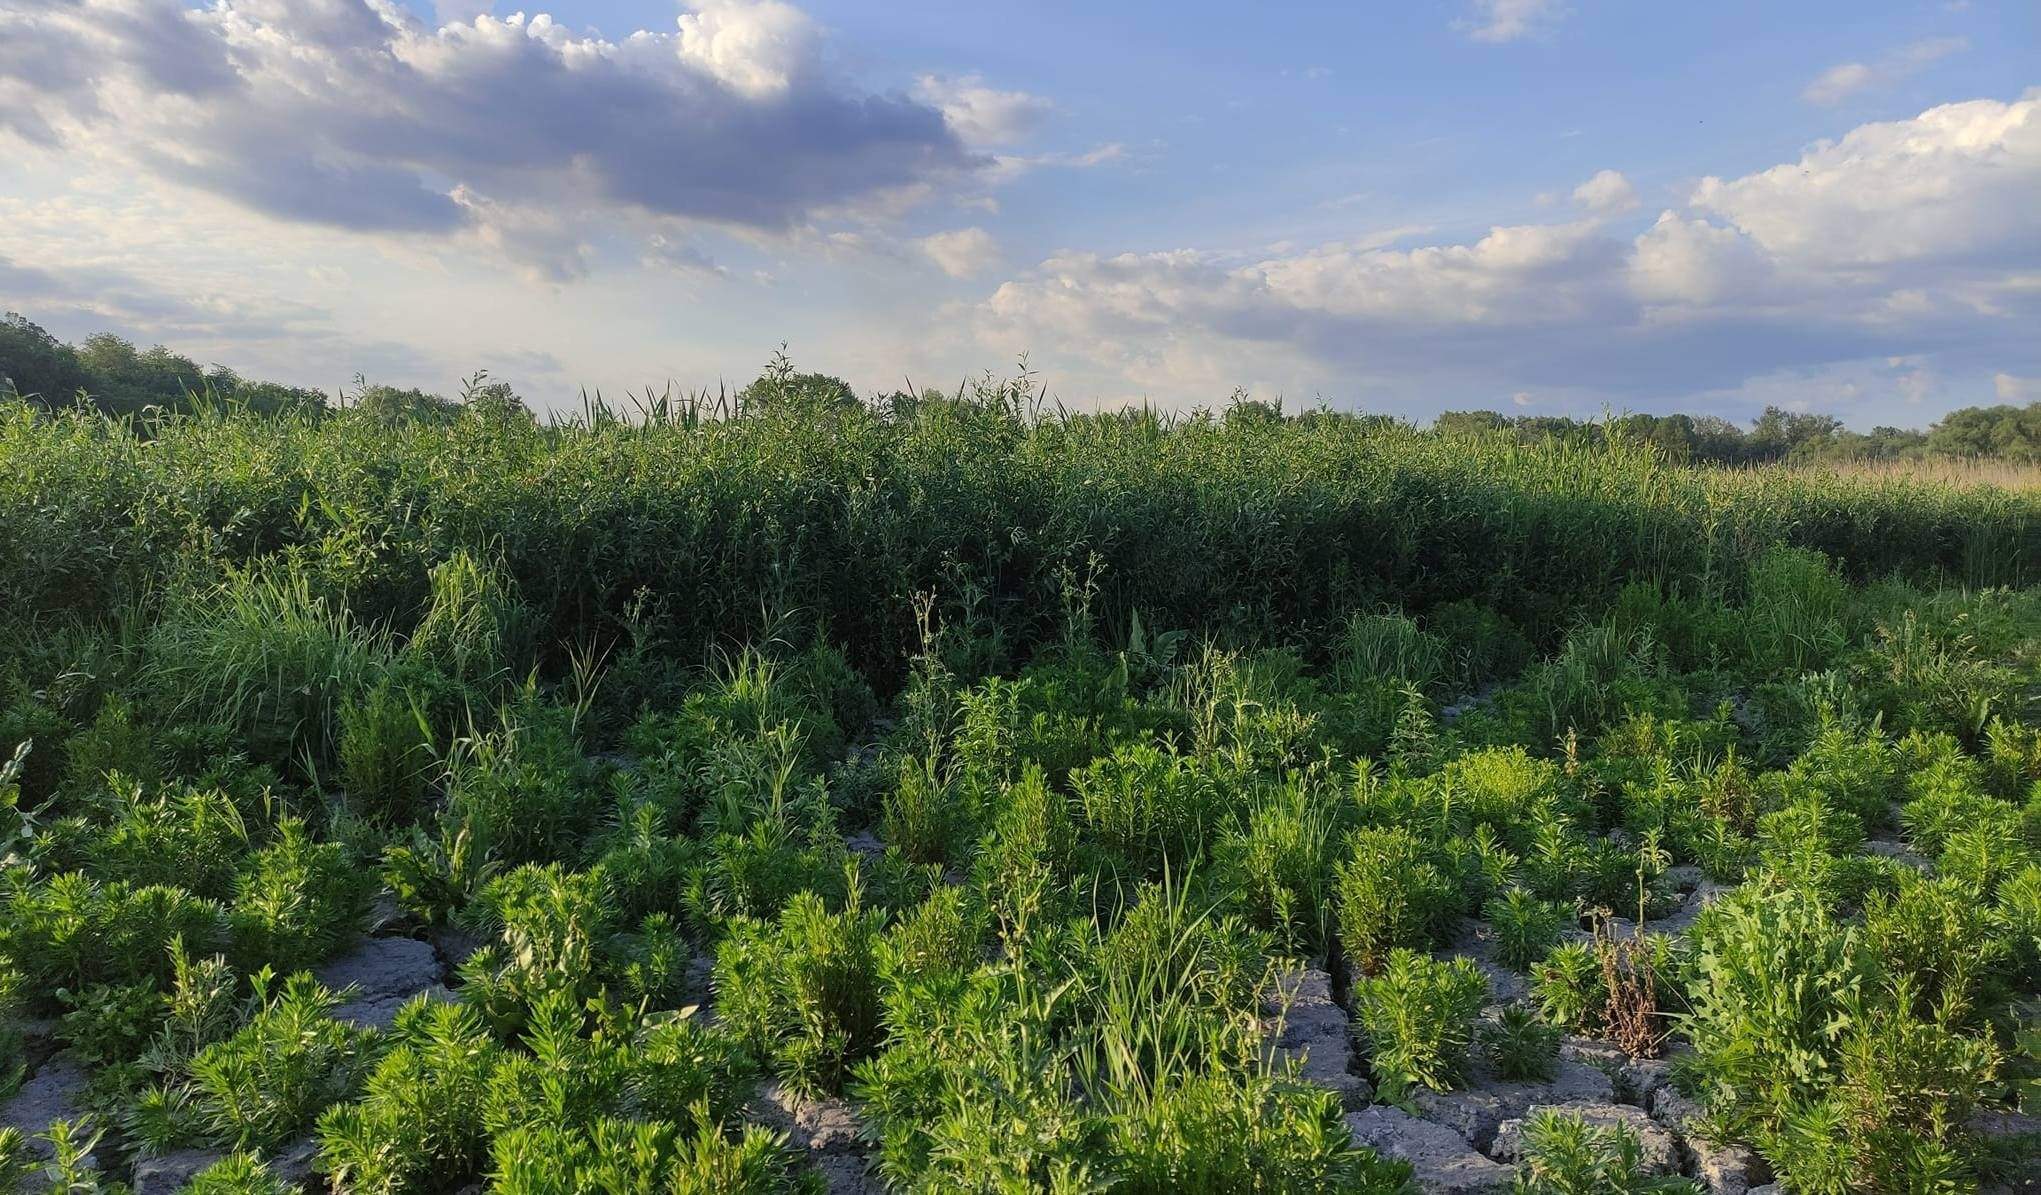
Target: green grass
(991, 776)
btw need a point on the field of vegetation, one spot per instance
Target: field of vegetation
(951, 795)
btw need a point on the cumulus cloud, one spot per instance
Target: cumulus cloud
(1909, 239)
(1507, 20)
(1958, 180)
(351, 113)
(1607, 193)
(757, 47)
(980, 114)
(962, 252)
(1695, 263)
(1838, 82)
(1846, 79)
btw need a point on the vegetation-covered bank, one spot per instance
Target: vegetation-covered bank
(698, 529)
(939, 799)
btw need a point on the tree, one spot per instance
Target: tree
(816, 391)
(126, 379)
(392, 405)
(494, 402)
(1243, 411)
(36, 365)
(1469, 423)
(2001, 431)
(1790, 435)
(275, 398)
(780, 388)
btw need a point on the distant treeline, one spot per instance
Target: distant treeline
(2001, 432)
(113, 375)
(118, 378)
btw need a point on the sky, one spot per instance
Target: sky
(1523, 205)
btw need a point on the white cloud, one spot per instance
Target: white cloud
(1607, 193)
(2016, 389)
(1839, 82)
(1957, 180)
(1911, 238)
(1008, 167)
(1532, 273)
(352, 114)
(1915, 382)
(962, 252)
(980, 114)
(544, 246)
(676, 253)
(755, 46)
(1844, 80)
(1695, 263)
(1508, 20)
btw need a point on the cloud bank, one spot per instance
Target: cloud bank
(353, 114)
(1907, 237)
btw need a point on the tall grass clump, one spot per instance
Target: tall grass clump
(706, 525)
(260, 650)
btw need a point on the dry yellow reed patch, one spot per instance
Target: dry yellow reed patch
(1956, 471)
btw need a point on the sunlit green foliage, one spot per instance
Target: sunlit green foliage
(981, 781)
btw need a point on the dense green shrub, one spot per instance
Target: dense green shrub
(1026, 860)
(765, 859)
(943, 936)
(1134, 1052)
(928, 817)
(1569, 988)
(418, 1124)
(1379, 660)
(262, 650)
(1526, 928)
(1521, 1046)
(525, 786)
(621, 1155)
(804, 992)
(1565, 1155)
(1146, 809)
(1774, 974)
(35, 733)
(297, 900)
(1392, 893)
(648, 867)
(473, 624)
(434, 876)
(386, 757)
(239, 1173)
(274, 1076)
(1249, 716)
(193, 838)
(1892, 1115)
(557, 934)
(111, 745)
(71, 931)
(1793, 612)
(1279, 860)
(1214, 1133)
(572, 1078)
(1417, 1021)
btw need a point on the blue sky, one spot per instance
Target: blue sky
(1515, 204)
